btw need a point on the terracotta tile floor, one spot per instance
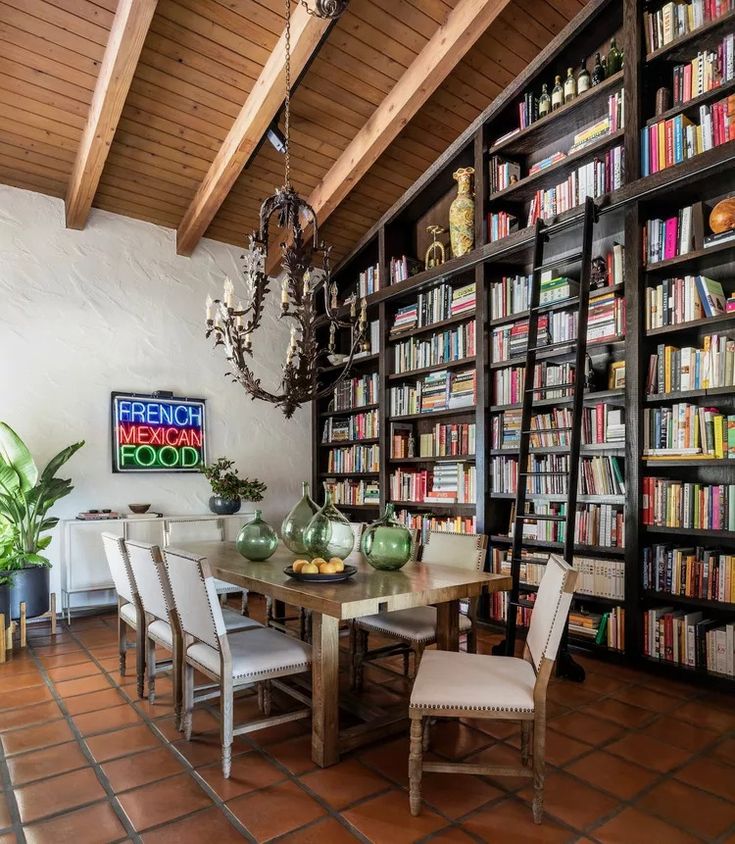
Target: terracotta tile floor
(631, 758)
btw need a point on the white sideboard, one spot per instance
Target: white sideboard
(84, 569)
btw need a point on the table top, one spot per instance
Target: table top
(368, 592)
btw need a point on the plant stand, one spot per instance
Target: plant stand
(8, 628)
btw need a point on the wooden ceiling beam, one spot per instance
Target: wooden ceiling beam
(260, 109)
(445, 49)
(127, 34)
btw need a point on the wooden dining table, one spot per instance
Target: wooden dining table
(367, 592)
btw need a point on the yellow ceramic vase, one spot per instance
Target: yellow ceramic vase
(462, 213)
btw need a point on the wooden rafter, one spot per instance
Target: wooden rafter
(124, 45)
(444, 50)
(257, 114)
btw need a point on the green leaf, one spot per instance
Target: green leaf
(43, 543)
(36, 560)
(57, 462)
(15, 453)
(48, 524)
(9, 480)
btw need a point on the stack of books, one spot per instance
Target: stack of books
(445, 482)
(677, 300)
(688, 638)
(556, 288)
(613, 122)
(462, 389)
(406, 318)
(464, 300)
(606, 317)
(672, 369)
(665, 239)
(510, 295)
(403, 268)
(606, 629)
(688, 431)
(511, 341)
(594, 179)
(678, 139)
(503, 173)
(603, 423)
(500, 224)
(369, 281)
(673, 20)
(506, 430)
(704, 573)
(707, 71)
(547, 162)
(435, 392)
(676, 504)
(359, 426)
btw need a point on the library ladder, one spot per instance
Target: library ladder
(573, 390)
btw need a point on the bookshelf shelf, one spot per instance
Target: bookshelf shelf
(554, 306)
(691, 107)
(695, 462)
(361, 361)
(422, 505)
(397, 336)
(683, 600)
(375, 506)
(582, 499)
(437, 367)
(608, 396)
(581, 110)
(589, 449)
(711, 392)
(435, 414)
(340, 443)
(501, 539)
(349, 474)
(727, 535)
(524, 189)
(349, 411)
(598, 347)
(720, 319)
(455, 458)
(697, 258)
(674, 49)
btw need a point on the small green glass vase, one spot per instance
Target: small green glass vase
(257, 540)
(294, 525)
(386, 544)
(329, 534)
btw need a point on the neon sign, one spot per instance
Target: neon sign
(157, 433)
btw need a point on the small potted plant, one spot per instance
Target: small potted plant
(26, 496)
(228, 488)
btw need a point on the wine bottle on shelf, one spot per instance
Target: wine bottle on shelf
(544, 101)
(557, 94)
(614, 58)
(583, 78)
(570, 86)
(598, 70)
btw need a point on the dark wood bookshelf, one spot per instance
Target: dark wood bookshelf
(357, 362)
(705, 178)
(357, 475)
(686, 601)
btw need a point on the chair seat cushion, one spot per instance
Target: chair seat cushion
(256, 655)
(234, 621)
(417, 624)
(447, 680)
(225, 588)
(129, 615)
(160, 632)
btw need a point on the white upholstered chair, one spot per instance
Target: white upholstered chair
(178, 531)
(467, 685)
(234, 661)
(415, 628)
(129, 610)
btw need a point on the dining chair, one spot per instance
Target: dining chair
(234, 661)
(129, 610)
(470, 685)
(181, 530)
(415, 628)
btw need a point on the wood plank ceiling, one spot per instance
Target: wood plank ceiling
(198, 64)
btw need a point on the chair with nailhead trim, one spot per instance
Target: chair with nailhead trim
(466, 685)
(233, 661)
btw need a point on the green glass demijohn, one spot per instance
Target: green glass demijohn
(257, 540)
(386, 544)
(294, 525)
(329, 534)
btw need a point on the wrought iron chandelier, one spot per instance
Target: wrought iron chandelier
(307, 274)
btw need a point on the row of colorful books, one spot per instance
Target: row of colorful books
(547, 475)
(675, 19)
(703, 573)
(443, 347)
(679, 504)
(369, 281)
(447, 483)
(403, 268)
(688, 431)
(346, 492)
(664, 239)
(357, 426)
(601, 424)
(678, 300)
(356, 392)
(689, 638)
(443, 390)
(672, 369)
(673, 141)
(356, 458)
(444, 440)
(426, 523)
(508, 382)
(596, 524)
(706, 71)
(436, 305)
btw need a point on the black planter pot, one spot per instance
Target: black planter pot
(32, 586)
(224, 506)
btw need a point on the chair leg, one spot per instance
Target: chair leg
(150, 656)
(140, 639)
(427, 735)
(177, 668)
(415, 764)
(122, 643)
(226, 704)
(188, 699)
(525, 742)
(418, 652)
(472, 640)
(539, 753)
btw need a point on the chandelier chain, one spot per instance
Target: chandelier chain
(287, 143)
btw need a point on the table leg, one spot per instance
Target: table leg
(447, 626)
(325, 690)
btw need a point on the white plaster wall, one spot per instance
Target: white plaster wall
(113, 307)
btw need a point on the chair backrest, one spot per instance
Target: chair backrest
(550, 610)
(144, 561)
(193, 530)
(195, 596)
(117, 559)
(460, 550)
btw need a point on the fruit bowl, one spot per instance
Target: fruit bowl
(139, 508)
(319, 577)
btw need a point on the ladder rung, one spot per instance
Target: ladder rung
(552, 346)
(544, 517)
(564, 259)
(559, 303)
(568, 385)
